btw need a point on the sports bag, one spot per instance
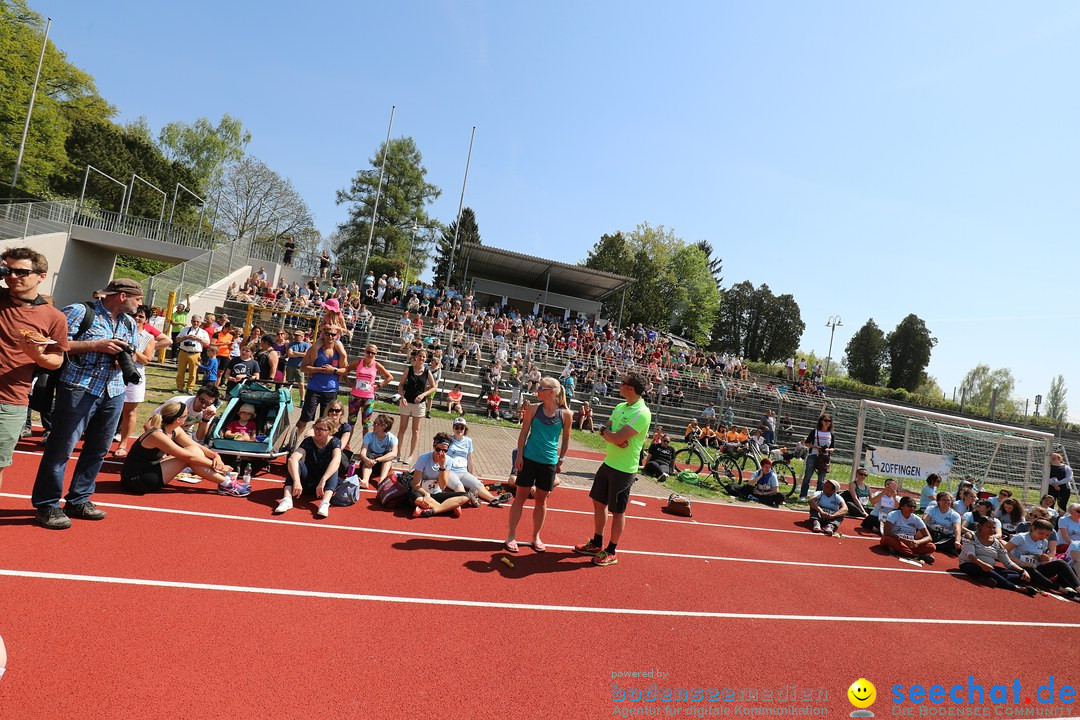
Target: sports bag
(393, 490)
(688, 477)
(347, 493)
(678, 505)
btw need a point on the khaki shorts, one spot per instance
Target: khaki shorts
(293, 374)
(408, 409)
(12, 421)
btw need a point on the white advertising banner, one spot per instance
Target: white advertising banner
(907, 464)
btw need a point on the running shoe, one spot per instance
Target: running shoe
(284, 506)
(324, 509)
(588, 548)
(474, 499)
(233, 488)
(604, 558)
(503, 498)
(815, 527)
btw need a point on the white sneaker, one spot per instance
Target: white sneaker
(284, 506)
(324, 509)
(116, 437)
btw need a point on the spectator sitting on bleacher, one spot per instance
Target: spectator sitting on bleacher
(493, 401)
(585, 417)
(708, 413)
(453, 401)
(709, 437)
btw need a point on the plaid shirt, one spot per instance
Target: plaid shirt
(96, 372)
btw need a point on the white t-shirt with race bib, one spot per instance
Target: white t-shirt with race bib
(942, 521)
(1027, 550)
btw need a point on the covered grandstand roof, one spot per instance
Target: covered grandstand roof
(529, 271)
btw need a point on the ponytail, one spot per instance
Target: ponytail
(169, 412)
(562, 397)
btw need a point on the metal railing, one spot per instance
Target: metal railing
(33, 218)
(200, 272)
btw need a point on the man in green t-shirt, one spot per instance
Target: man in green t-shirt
(625, 433)
(178, 321)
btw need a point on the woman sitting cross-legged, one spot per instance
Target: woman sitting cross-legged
(378, 451)
(312, 468)
(434, 489)
(905, 533)
(147, 469)
(982, 552)
(883, 502)
(944, 524)
(1033, 550)
(827, 508)
(763, 486)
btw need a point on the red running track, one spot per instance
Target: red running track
(253, 633)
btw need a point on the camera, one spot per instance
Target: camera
(126, 360)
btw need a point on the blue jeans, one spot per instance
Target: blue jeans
(811, 465)
(76, 414)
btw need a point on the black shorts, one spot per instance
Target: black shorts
(532, 473)
(439, 497)
(313, 398)
(612, 487)
(146, 479)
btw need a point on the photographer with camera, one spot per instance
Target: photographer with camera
(33, 334)
(89, 399)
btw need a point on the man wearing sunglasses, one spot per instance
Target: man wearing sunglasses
(23, 309)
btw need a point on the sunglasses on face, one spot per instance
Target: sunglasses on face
(334, 412)
(20, 272)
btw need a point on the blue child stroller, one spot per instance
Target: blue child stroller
(273, 420)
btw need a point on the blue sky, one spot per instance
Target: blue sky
(871, 160)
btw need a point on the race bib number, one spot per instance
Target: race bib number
(905, 536)
(938, 528)
(459, 463)
(363, 385)
(1030, 559)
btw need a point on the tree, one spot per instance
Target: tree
(715, 264)
(691, 293)
(865, 354)
(121, 151)
(65, 95)
(405, 197)
(204, 149)
(758, 325)
(470, 233)
(258, 200)
(909, 348)
(644, 254)
(1056, 407)
(979, 384)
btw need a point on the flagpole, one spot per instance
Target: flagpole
(33, 94)
(461, 204)
(378, 193)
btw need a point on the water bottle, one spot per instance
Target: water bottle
(247, 474)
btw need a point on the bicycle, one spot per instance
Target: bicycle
(723, 466)
(785, 475)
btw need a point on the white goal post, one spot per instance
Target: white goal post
(906, 442)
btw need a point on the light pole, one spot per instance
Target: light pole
(833, 323)
(30, 111)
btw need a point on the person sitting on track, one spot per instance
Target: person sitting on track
(982, 552)
(1069, 533)
(1011, 513)
(857, 496)
(660, 461)
(201, 411)
(944, 524)
(1033, 551)
(1003, 494)
(905, 533)
(981, 508)
(1047, 503)
(763, 486)
(378, 451)
(460, 459)
(312, 468)
(542, 443)
(827, 509)
(147, 469)
(434, 490)
(965, 500)
(884, 501)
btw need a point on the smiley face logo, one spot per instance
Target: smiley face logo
(862, 693)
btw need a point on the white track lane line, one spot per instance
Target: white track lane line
(494, 541)
(520, 606)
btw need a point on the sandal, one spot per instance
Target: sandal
(510, 546)
(121, 453)
(538, 546)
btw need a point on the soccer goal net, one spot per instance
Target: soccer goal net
(908, 444)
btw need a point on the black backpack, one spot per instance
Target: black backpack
(45, 381)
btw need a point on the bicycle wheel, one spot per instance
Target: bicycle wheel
(728, 470)
(786, 478)
(751, 462)
(689, 459)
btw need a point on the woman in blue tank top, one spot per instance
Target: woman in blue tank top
(542, 445)
(324, 365)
